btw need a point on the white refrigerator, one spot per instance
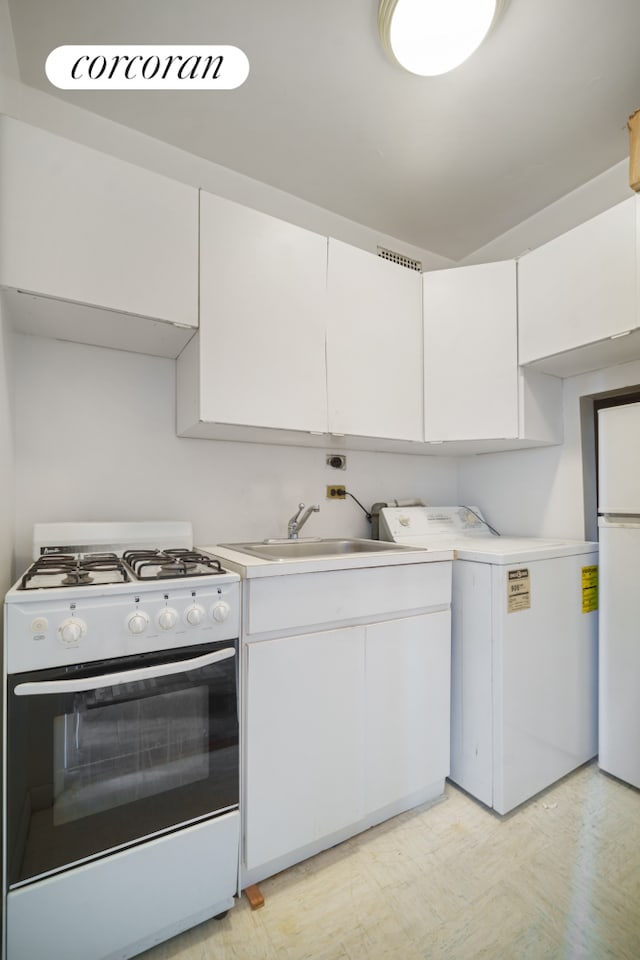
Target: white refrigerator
(619, 606)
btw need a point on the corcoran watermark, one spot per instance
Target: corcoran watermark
(147, 67)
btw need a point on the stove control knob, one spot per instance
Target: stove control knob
(195, 615)
(167, 618)
(137, 622)
(220, 611)
(71, 631)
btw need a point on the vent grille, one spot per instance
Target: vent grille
(400, 259)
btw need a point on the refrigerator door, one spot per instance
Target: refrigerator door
(619, 643)
(619, 459)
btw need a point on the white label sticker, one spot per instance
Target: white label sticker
(518, 590)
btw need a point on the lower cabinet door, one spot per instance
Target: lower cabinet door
(304, 773)
(408, 670)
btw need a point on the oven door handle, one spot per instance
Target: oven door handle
(126, 676)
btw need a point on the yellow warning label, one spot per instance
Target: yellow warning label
(518, 590)
(589, 589)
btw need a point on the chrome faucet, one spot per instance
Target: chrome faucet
(297, 522)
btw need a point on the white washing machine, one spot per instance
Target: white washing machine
(524, 658)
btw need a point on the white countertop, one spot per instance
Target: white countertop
(249, 567)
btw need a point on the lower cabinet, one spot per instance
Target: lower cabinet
(407, 704)
(305, 740)
(344, 728)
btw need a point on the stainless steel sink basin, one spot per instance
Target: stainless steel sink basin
(313, 549)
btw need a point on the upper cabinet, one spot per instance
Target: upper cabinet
(471, 352)
(259, 357)
(91, 233)
(474, 390)
(295, 335)
(374, 345)
(578, 295)
(309, 342)
(285, 336)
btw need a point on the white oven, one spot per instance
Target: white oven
(120, 813)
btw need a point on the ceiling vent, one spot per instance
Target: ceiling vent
(400, 259)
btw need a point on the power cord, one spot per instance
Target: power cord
(482, 520)
(368, 515)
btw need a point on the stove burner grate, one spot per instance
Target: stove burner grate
(170, 564)
(72, 571)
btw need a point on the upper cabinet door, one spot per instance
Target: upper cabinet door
(374, 346)
(471, 352)
(262, 319)
(580, 288)
(82, 226)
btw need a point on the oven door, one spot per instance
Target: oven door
(103, 755)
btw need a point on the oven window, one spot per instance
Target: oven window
(107, 756)
(94, 770)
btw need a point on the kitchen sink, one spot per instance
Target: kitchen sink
(313, 549)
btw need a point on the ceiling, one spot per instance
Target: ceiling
(446, 163)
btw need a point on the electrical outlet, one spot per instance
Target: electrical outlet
(337, 460)
(336, 492)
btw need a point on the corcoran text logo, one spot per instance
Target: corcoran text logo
(147, 67)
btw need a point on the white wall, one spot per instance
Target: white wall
(95, 439)
(542, 492)
(6, 459)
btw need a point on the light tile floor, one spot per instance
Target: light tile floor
(558, 879)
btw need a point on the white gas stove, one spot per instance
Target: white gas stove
(121, 739)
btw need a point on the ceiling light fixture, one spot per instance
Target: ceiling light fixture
(431, 37)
